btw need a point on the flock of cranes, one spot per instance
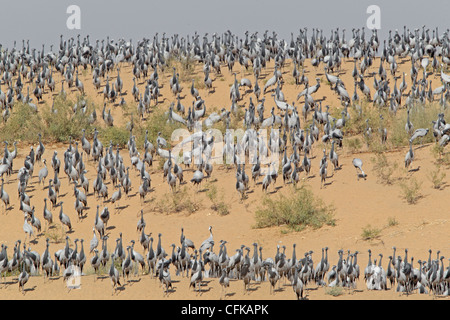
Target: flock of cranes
(400, 274)
(293, 135)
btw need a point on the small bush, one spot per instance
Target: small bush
(217, 204)
(383, 168)
(437, 151)
(335, 291)
(357, 122)
(22, 117)
(221, 208)
(354, 144)
(392, 222)
(376, 146)
(157, 122)
(442, 158)
(185, 68)
(63, 124)
(370, 233)
(411, 191)
(421, 117)
(212, 192)
(437, 177)
(178, 201)
(56, 234)
(114, 134)
(298, 211)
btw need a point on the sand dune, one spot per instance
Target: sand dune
(358, 203)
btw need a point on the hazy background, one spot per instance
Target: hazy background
(42, 21)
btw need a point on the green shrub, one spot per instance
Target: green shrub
(297, 211)
(178, 201)
(217, 204)
(221, 208)
(115, 134)
(392, 222)
(369, 233)
(411, 191)
(65, 123)
(157, 122)
(354, 144)
(335, 291)
(421, 117)
(437, 177)
(437, 151)
(56, 234)
(442, 158)
(383, 168)
(23, 125)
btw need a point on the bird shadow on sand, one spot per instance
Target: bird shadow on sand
(10, 208)
(7, 283)
(121, 288)
(328, 183)
(311, 289)
(203, 290)
(29, 289)
(133, 281)
(253, 289)
(231, 294)
(110, 228)
(281, 289)
(414, 170)
(361, 176)
(171, 290)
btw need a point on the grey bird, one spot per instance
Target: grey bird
(141, 222)
(65, 220)
(114, 275)
(419, 133)
(357, 163)
(47, 214)
(43, 173)
(164, 277)
(95, 262)
(224, 282)
(187, 242)
(409, 157)
(23, 278)
(208, 243)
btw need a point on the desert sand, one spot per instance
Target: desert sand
(357, 203)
